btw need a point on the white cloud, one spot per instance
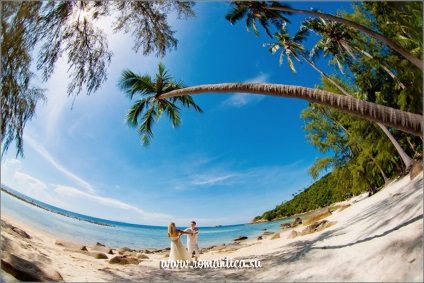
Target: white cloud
(211, 180)
(106, 203)
(241, 99)
(28, 182)
(9, 167)
(12, 176)
(47, 156)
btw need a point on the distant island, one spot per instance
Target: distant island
(54, 211)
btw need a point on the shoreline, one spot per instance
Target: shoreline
(53, 211)
(365, 239)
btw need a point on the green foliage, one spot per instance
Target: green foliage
(148, 110)
(19, 96)
(255, 11)
(319, 194)
(70, 29)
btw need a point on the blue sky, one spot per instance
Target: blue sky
(241, 157)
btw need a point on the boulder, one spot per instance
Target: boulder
(285, 226)
(318, 226)
(130, 253)
(317, 215)
(71, 245)
(218, 248)
(259, 238)
(96, 255)
(123, 260)
(121, 251)
(240, 238)
(343, 207)
(329, 224)
(297, 221)
(293, 234)
(275, 236)
(416, 168)
(102, 249)
(266, 233)
(25, 270)
(21, 232)
(142, 256)
(150, 251)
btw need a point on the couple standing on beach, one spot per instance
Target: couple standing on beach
(178, 251)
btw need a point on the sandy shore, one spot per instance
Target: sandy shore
(378, 238)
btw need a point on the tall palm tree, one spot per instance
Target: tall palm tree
(404, 121)
(253, 11)
(335, 42)
(263, 6)
(149, 108)
(292, 47)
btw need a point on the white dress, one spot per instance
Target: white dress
(178, 251)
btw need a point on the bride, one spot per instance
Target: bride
(178, 251)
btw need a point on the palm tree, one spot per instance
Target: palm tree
(253, 11)
(292, 47)
(335, 41)
(262, 7)
(404, 121)
(149, 108)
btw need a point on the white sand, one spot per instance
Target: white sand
(378, 238)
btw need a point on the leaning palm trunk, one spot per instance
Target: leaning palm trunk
(414, 60)
(401, 120)
(405, 157)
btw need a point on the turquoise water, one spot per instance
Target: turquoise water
(120, 234)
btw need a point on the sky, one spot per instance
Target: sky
(243, 156)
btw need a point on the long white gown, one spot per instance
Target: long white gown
(178, 251)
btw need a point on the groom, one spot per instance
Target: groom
(192, 244)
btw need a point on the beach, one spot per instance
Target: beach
(377, 238)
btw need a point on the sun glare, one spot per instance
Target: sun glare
(82, 13)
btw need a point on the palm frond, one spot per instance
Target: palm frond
(173, 113)
(236, 14)
(132, 83)
(145, 129)
(255, 28)
(280, 61)
(173, 85)
(274, 48)
(135, 111)
(149, 109)
(187, 101)
(302, 34)
(264, 23)
(291, 64)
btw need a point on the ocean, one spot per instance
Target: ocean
(88, 230)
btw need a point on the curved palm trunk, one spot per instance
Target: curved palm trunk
(401, 120)
(414, 60)
(405, 157)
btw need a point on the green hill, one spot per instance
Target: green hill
(322, 193)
